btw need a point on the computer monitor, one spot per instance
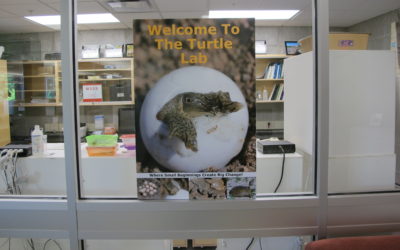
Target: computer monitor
(126, 121)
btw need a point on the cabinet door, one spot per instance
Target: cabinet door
(4, 115)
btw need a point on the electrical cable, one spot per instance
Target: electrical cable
(30, 244)
(283, 169)
(51, 240)
(259, 241)
(251, 242)
(8, 163)
(33, 244)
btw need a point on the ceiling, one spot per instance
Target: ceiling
(343, 13)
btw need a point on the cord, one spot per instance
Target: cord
(251, 242)
(31, 244)
(283, 169)
(8, 163)
(259, 241)
(51, 240)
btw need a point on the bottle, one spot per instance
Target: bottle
(258, 95)
(265, 94)
(44, 138)
(37, 141)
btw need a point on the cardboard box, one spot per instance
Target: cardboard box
(339, 41)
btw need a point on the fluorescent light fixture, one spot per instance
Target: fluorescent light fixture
(45, 20)
(81, 19)
(97, 18)
(257, 14)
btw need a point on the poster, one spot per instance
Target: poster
(195, 108)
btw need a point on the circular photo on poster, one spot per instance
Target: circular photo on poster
(194, 118)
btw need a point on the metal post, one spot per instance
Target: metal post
(321, 74)
(70, 117)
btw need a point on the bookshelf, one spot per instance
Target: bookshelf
(270, 109)
(269, 76)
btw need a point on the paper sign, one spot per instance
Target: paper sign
(92, 92)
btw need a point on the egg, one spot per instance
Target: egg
(219, 137)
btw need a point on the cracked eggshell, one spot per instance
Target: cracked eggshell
(219, 138)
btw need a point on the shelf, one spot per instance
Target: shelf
(39, 76)
(106, 103)
(36, 104)
(34, 62)
(106, 59)
(36, 90)
(276, 101)
(271, 56)
(100, 70)
(269, 80)
(114, 79)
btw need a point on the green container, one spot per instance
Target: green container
(102, 140)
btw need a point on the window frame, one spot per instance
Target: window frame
(78, 219)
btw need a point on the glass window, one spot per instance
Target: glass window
(31, 117)
(265, 243)
(363, 138)
(107, 104)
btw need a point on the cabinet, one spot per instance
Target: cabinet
(114, 75)
(269, 78)
(362, 117)
(38, 83)
(35, 83)
(4, 117)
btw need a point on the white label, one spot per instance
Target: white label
(120, 94)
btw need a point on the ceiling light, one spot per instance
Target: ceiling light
(81, 19)
(130, 6)
(45, 20)
(138, 4)
(257, 14)
(97, 18)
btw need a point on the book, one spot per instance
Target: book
(266, 71)
(271, 69)
(276, 70)
(275, 93)
(272, 92)
(280, 91)
(278, 74)
(282, 71)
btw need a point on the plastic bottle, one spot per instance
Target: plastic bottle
(265, 94)
(37, 141)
